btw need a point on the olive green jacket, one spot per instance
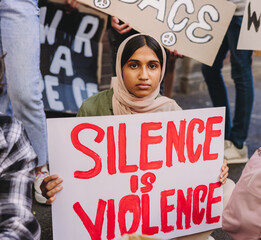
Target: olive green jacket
(99, 104)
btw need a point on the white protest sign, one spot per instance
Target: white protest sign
(250, 32)
(195, 28)
(155, 174)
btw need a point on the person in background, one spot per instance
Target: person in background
(17, 163)
(241, 217)
(19, 39)
(236, 132)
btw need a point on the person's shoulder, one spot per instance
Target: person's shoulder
(98, 98)
(97, 105)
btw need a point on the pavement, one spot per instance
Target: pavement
(192, 100)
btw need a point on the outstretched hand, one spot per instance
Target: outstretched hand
(50, 186)
(118, 27)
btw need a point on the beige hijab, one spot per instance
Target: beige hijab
(124, 102)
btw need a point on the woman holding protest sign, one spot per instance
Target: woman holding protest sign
(140, 67)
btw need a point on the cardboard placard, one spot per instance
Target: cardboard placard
(250, 32)
(155, 174)
(71, 51)
(195, 28)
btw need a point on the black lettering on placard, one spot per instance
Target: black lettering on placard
(252, 19)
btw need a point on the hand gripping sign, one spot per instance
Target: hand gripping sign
(155, 174)
(195, 28)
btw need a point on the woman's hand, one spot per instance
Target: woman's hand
(50, 186)
(174, 54)
(120, 28)
(224, 172)
(73, 4)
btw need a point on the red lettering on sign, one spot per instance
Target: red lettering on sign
(94, 230)
(111, 151)
(123, 167)
(164, 209)
(176, 139)
(111, 219)
(129, 203)
(187, 205)
(194, 155)
(184, 206)
(76, 143)
(210, 133)
(134, 183)
(146, 140)
(146, 228)
(197, 215)
(212, 200)
(147, 180)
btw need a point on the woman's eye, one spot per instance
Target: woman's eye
(134, 65)
(153, 66)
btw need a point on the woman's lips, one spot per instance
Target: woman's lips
(143, 86)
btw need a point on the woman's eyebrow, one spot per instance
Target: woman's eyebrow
(155, 61)
(133, 60)
(136, 60)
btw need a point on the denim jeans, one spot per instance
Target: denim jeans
(19, 38)
(241, 73)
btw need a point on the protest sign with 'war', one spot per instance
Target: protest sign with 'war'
(155, 174)
(250, 32)
(195, 28)
(71, 54)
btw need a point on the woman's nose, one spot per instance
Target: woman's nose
(144, 75)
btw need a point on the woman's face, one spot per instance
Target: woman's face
(141, 73)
